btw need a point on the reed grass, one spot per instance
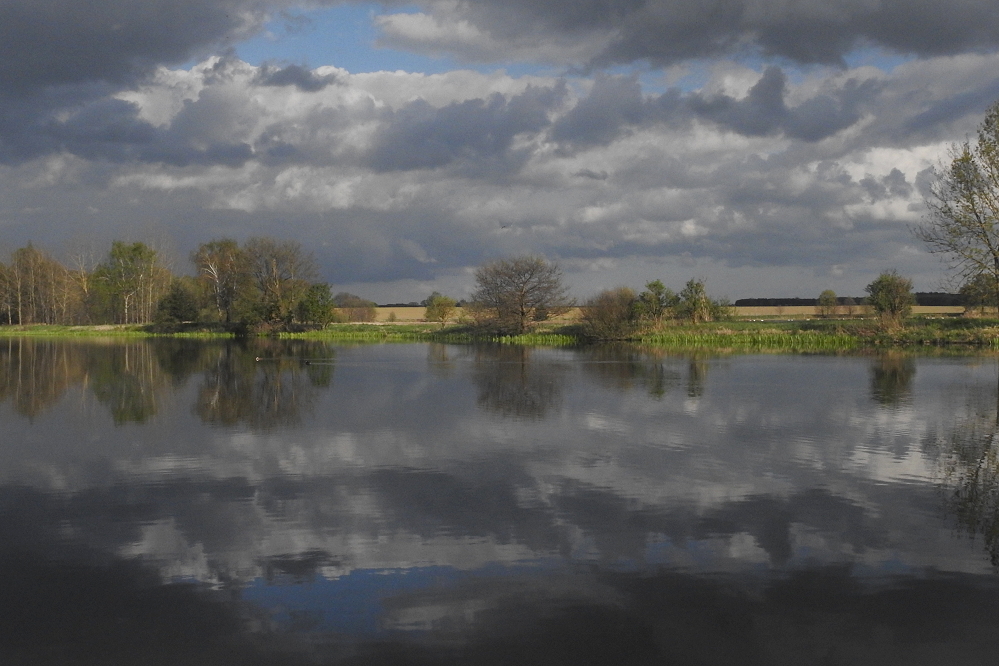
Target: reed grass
(786, 341)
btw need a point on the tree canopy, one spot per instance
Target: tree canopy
(439, 308)
(963, 220)
(517, 292)
(890, 295)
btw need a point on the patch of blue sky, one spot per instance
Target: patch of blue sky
(354, 603)
(344, 36)
(881, 58)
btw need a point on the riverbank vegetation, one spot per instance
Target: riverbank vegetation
(265, 287)
(733, 334)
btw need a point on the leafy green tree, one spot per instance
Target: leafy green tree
(317, 306)
(827, 303)
(439, 308)
(131, 281)
(657, 303)
(611, 315)
(963, 223)
(514, 293)
(890, 295)
(180, 304)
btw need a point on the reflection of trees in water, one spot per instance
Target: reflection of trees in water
(891, 378)
(512, 384)
(272, 391)
(126, 381)
(127, 376)
(697, 375)
(439, 360)
(623, 366)
(34, 374)
(970, 467)
(130, 377)
(970, 471)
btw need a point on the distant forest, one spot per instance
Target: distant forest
(926, 298)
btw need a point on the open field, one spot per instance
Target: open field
(409, 315)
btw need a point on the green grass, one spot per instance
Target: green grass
(748, 340)
(815, 335)
(46, 330)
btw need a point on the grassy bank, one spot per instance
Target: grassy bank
(815, 335)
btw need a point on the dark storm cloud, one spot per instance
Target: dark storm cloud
(52, 42)
(892, 185)
(302, 78)
(420, 136)
(65, 58)
(811, 31)
(764, 110)
(108, 129)
(616, 103)
(598, 118)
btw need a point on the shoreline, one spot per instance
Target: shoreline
(811, 335)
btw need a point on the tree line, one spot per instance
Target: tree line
(261, 281)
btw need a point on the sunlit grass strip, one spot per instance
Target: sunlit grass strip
(804, 341)
(45, 330)
(200, 335)
(540, 339)
(422, 334)
(362, 333)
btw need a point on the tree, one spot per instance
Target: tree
(223, 269)
(180, 303)
(656, 303)
(891, 298)
(611, 315)
(827, 303)
(439, 308)
(978, 293)
(963, 220)
(317, 306)
(694, 303)
(281, 272)
(132, 281)
(355, 308)
(516, 292)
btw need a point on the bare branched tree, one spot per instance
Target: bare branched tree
(282, 271)
(519, 291)
(963, 222)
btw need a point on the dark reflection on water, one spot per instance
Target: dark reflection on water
(970, 463)
(511, 383)
(277, 502)
(891, 378)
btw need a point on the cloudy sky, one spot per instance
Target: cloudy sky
(772, 148)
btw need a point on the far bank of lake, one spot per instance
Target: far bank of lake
(792, 335)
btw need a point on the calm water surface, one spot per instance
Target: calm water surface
(175, 502)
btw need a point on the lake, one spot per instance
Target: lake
(173, 501)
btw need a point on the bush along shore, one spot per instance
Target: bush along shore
(814, 336)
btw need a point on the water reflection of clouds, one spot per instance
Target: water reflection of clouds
(396, 468)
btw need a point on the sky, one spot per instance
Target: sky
(770, 148)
